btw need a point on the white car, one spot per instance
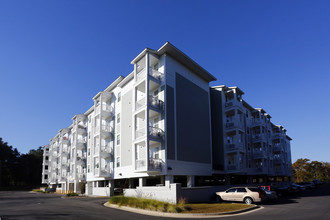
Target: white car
(248, 195)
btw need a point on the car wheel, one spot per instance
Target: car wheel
(248, 200)
(218, 199)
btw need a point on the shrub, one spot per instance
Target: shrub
(72, 194)
(143, 203)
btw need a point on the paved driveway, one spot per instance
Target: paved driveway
(312, 204)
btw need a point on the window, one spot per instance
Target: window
(118, 139)
(89, 151)
(118, 118)
(155, 67)
(241, 190)
(88, 168)
(231, 190)
(46, 167)
(119, 97)
(118, 162)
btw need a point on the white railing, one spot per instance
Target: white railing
(140, 103)
(140, 164)
(141, 132)
(107, 108)
(107, 128)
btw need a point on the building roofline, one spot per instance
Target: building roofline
(181, 57)
(126, 79)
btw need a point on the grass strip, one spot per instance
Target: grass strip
(181, 207)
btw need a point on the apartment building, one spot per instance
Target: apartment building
(160, 125)
(247, 146)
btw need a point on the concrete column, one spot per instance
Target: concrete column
(168, 180)
(142, 181)
(112, 187)
(162, 180)
(250, 180)
(130, 183)
(190, 181)
(227, 177)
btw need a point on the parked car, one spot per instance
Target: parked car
(308, 185)
(269, 194)
(284, 190)
(317, 182)
(248, 195)
(299, 187)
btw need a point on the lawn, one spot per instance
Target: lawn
(150, 204)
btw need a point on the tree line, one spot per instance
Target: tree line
(19, 171)
(304, 170)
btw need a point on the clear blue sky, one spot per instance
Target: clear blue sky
(56, 55)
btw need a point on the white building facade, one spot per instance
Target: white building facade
(154, 128)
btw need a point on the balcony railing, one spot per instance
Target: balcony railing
(234, 147)
(152, 72)
(229, 104)
(108, 108)
(155, 102)
(140, 103)
(107, 128)
(258, 137)
(140, 164)
(141, 132)
(156, 164)
(278, 160)
(156, 132)
(277, 148)
(105, 171)
(259, 154)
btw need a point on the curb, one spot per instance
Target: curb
(183, 215)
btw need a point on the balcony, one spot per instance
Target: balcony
(229, 104)
(65, 141)
(80, 161)
(156, 75)
(277, 148)
(231, 148)
(106, 152)
(259, 154)
(278, 160)
(140, 164)
(234, 167)
(156, 164)
(81, 176)
(140, 132)
(156, 133)
(256, 122)
(108, 109)
(81, 131)
(140, 103)
(258, 138)
(155, 103)
(106, 131)
(277, 136)
(105, 172)
(81, 144)
(233, 125)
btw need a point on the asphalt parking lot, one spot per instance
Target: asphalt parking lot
(310, 204)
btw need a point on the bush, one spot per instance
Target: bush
(72, 194)
(149, 204)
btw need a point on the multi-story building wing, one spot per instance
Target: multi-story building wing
(163, 124)
(244, 138)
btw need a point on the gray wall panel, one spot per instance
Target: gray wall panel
(170, 138)
(217, 130)
(193, 122)
(126, 129)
